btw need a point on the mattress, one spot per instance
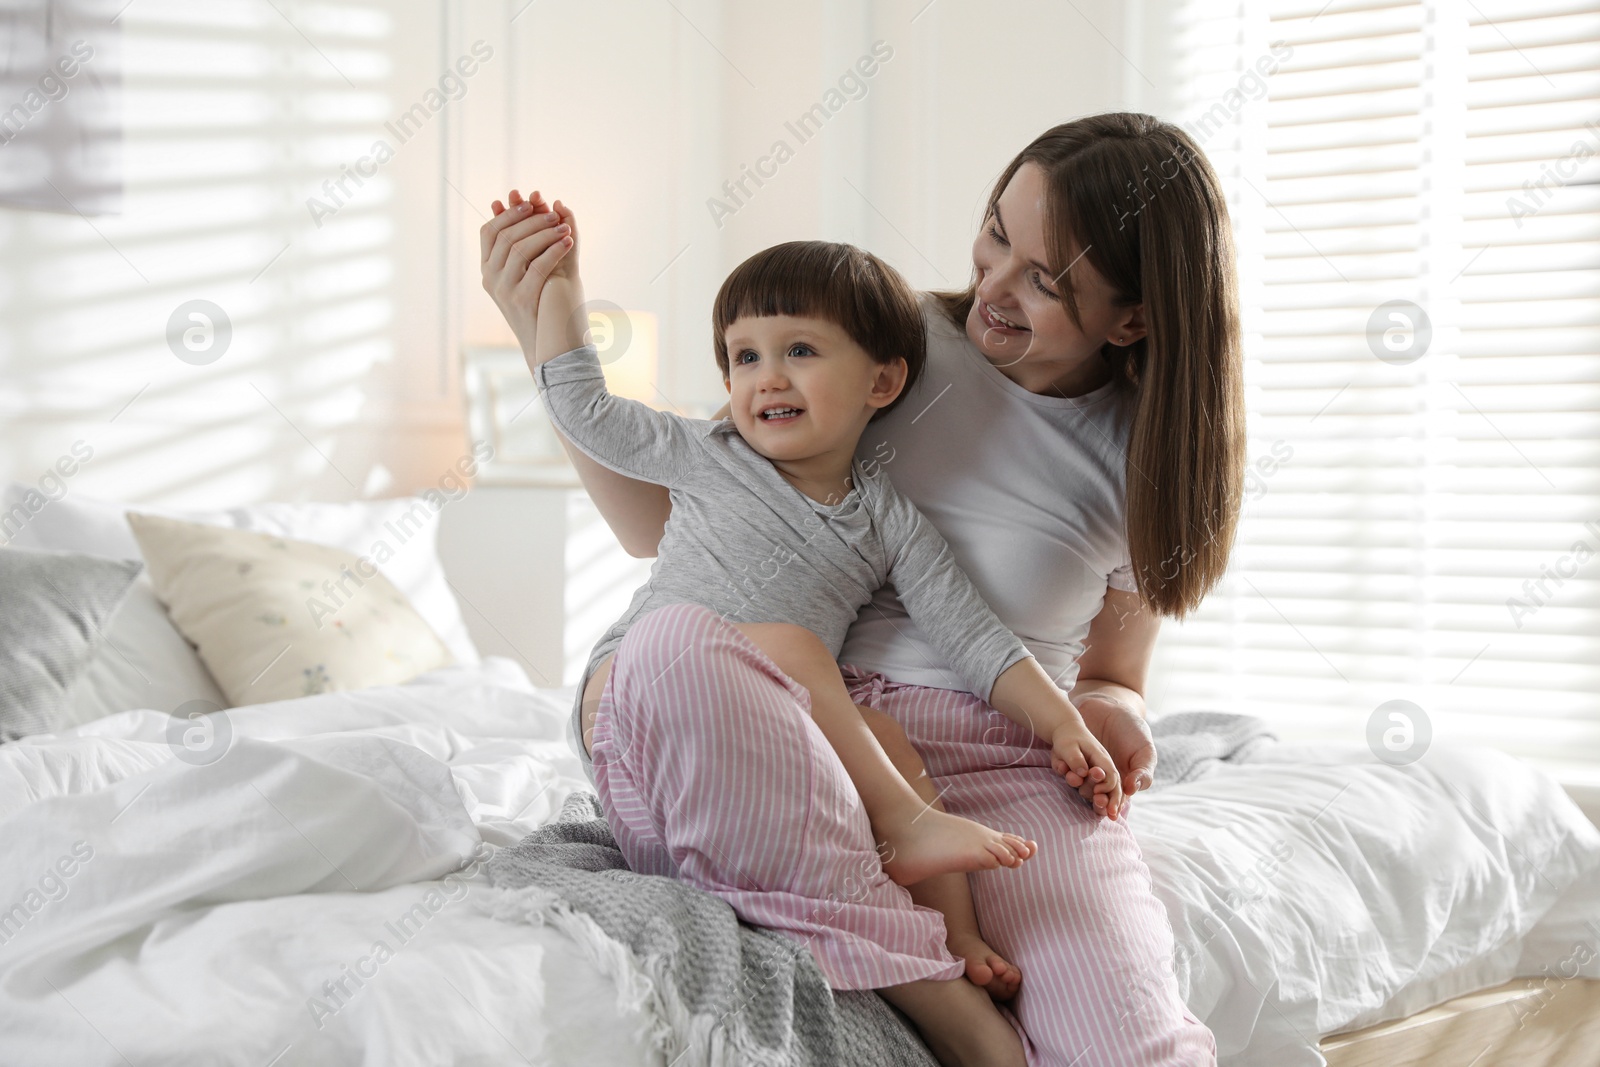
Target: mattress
(320, 903)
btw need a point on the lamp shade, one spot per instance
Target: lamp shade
(627, 342)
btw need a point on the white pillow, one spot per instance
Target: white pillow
(276, 619)
(144, 662)
(399, 535)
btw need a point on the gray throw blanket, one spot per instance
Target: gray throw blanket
(720, 992)
(1192, 744)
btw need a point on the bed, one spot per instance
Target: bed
(1327, 908)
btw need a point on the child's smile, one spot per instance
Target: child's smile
(780, 414)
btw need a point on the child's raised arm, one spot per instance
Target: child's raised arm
(561, 325)
(511, 244)
(622, 435)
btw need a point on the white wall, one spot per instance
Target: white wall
(232, 120)
(342, 380)
(341, 377)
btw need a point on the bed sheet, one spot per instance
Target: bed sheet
(1314, 890)
(214, 921)
(1309, 890)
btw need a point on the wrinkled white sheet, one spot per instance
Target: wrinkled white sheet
(233, 914)
(1314, 890)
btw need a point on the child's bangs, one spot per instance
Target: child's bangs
(836, 283)
(796, 280)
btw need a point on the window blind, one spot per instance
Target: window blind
(1415, 189)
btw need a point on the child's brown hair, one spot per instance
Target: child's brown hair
(840, 283)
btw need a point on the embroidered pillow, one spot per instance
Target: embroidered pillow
(274, 618)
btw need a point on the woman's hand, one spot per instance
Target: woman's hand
(525, 243)
(1126, 736)
(1111, 681)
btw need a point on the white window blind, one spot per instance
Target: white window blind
(1417, 528)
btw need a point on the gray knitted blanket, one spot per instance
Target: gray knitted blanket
(718, 991)
(1192, 744)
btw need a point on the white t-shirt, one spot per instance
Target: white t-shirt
(1027, 489)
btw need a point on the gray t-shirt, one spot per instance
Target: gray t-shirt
(745, 543)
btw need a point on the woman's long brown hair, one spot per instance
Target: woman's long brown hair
(1137, 193)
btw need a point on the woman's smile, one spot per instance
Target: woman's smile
(1005, 324)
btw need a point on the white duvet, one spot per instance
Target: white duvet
(314, 897)
(237, 917)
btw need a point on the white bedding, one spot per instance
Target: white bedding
(1309, 891)
(215, 907)
(1315, 890)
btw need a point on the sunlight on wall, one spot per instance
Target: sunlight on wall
(236, 114)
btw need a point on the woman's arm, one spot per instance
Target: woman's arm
(1109, 693)
(636, 511)
(511, 243)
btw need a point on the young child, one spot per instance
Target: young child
(779, 528)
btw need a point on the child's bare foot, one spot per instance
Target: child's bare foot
(932, 842)
(986, 968)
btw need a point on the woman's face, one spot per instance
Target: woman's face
(1018, 320)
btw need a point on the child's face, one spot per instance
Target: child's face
(828, 384)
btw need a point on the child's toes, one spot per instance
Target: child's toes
(1003, 852)
(1006, 979)
(1023, 848)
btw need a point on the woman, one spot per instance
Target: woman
(1078, 440)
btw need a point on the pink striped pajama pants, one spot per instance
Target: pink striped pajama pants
(711, 770)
